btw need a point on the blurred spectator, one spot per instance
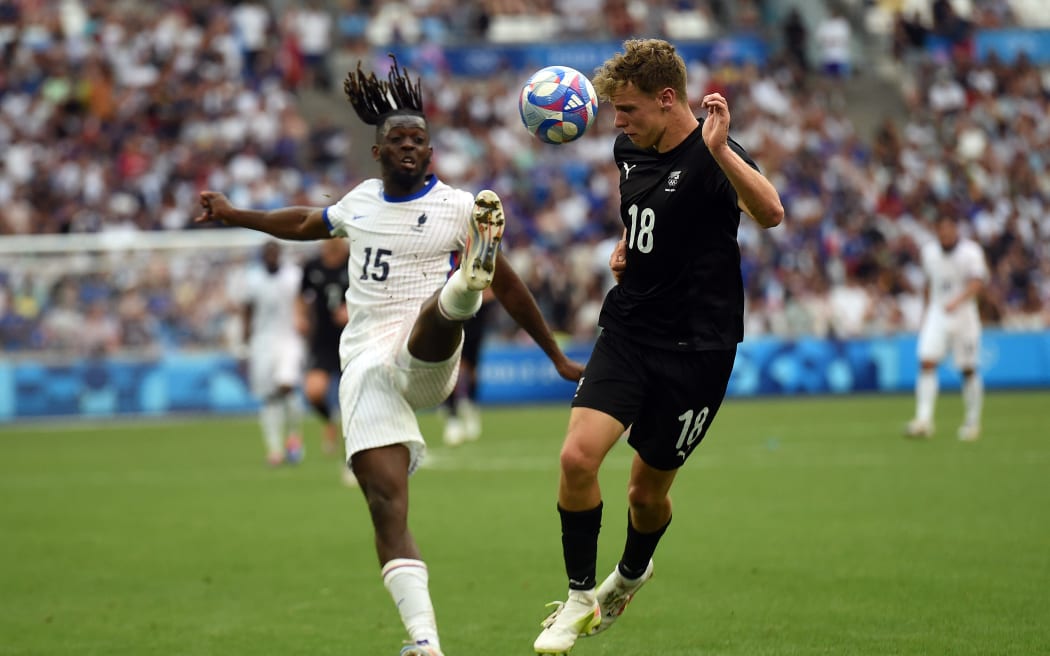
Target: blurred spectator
(947, 23)
(622, 19)
(686, 21)
(311, 26)
(834, 38)
(796, 39)
(393, 22)
(909, 36)
(251, 24)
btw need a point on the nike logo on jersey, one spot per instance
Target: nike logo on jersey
(358, 217)
(627, 170)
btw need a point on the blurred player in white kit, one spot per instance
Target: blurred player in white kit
(956, 271)
(275, 352)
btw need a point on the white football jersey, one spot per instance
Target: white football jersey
(401, 251)
(272, 296)
(947, 274)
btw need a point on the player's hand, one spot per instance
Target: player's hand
(215, 206)
(618, 259)
(716, 125)
(569, 369)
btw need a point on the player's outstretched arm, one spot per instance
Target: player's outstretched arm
(293, 223)
(520, 304)
(757, 195)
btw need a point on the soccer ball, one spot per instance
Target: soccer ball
(557, 104)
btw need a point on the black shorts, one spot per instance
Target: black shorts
(667, 398)
(324, 356)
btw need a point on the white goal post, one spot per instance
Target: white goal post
(192, 268)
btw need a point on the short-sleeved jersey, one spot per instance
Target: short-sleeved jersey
(324, 290)
(401, 251)
(682, 288)
(272, 297)
(948, 273)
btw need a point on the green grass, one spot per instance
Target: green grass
(802, 526)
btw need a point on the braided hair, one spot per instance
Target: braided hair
(375, 100)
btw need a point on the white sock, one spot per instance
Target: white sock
(926, 395)
(293, 414)
(973, 398)
(406, 579)
(271, 419)
(456, 302)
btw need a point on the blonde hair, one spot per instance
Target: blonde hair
(649, 64)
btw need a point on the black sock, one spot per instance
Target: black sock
(639, 549)
(322, 409)
(579, 543)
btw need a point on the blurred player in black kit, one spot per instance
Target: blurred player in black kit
(322, 306)
(670, 327)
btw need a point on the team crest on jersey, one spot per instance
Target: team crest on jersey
(419, 222)
(672, 180)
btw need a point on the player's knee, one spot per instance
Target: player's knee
(387, 503)
(646, 500)
(577, 463)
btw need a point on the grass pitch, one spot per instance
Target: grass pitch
(801, 527)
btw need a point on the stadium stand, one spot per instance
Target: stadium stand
(113, 116)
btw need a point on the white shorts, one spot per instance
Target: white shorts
(275, 364)
(380, 392)
(961, 334)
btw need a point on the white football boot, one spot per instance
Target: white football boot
(918, 429)
(969, 432)
(486, 232)
(471, 414)
(420, 648)
(571, 618)
(615, 593)
(455, 432)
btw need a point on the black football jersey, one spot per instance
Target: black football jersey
(324, 289)
(682, 288)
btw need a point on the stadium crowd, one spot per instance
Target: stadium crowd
(113, 118)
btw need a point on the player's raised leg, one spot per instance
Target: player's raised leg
(460, 298)
(438, 330)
